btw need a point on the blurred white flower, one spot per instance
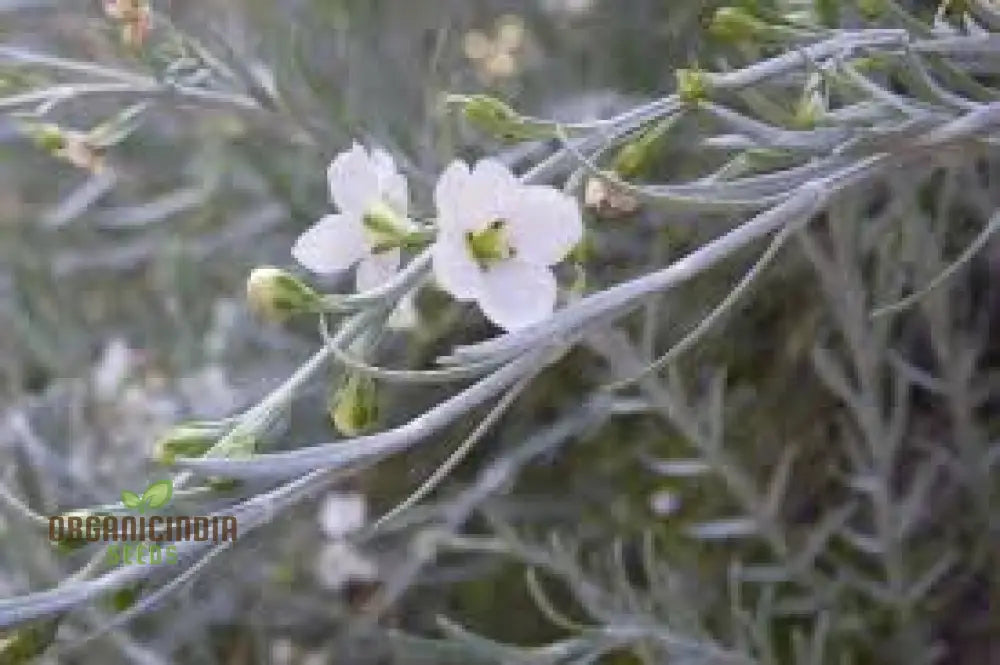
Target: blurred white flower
(372, 197)
(497, 56)
(113, 369)
(339, 563)
(341, 514)
(497, 239)
(664, 503)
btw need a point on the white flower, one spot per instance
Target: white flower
(372, 197)
(497, 239)
(342, 513)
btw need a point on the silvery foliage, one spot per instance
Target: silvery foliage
(897, 103)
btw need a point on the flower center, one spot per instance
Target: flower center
(384, 228)
(490, 245)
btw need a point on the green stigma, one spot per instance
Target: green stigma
(490, 244)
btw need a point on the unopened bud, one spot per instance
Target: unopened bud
(692, 86)
(499, 120)
(354, 407)
(812, 106)
(47, 136)
(275, 295)
(735, 24)
(190, 440)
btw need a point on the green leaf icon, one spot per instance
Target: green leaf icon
(131, 499)
(158, 494)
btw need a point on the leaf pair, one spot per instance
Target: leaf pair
(156, 496)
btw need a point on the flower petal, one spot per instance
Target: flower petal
(491, 187)
(392, 184)
(516, 294)
(450, 196)
(469, 200)
(334, 243)
(354, 180)
(544, 224)
(455, 270)
(376, 269)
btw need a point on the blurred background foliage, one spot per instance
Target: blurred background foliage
(121, 311)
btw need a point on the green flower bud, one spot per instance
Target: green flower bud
(811, 107)
(354, 407)
(499, 120)
(26, 644)
(692, 86)
(275, 295)
(47, 136)
(191, 440)
(735, 24)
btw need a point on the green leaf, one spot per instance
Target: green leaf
(131, 499)
(158, 494)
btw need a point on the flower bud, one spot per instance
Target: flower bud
(190, 440)
(354, 407)
(275, 295)
(692, 86)
(499, 120)
(812, 106)
(47, 136)
(735, 24)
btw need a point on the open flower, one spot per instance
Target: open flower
(497, 239)
(372, 224)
